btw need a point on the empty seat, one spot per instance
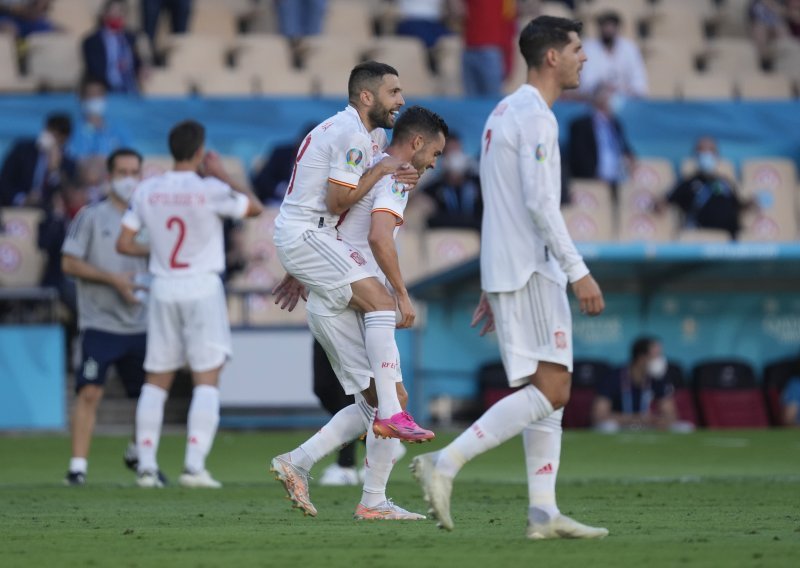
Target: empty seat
(786, 53)
(10, 79)
(165, 83)
(445, 248)
(649, 182)
(263, 54)
(707, 86)
(214, 18)
(194, 55)
(349, 18)
(764, 86)
(448, 54)
(728, 395)
(54, 60)
(732, 18)
(410, 254)
(409, 56)
(21, 222)
(21, 261)
(776, 376)
(680, 21)
(291, 83)
(683, 396)
(732, 57)
(77, 17)
(773, 185)
(586, 374)
(226, 83)
(587, 225)
(703, 236)
(330, 60)
(557, 9)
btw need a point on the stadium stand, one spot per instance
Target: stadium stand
(53, 60)
(21, 261)
(773, 185)
(590, 215)
(638, 221)
(685, 402)
(776, 375)
(585, 376)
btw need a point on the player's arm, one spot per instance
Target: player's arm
(122, 282)
(382, 243)
(213, 166)
(538, 141)
(126, 243)
(342, 195)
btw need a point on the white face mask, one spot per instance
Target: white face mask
(46, 140)
(95, 106)
(657, 368)
(707, 162)
(456, 162)
(124, 187)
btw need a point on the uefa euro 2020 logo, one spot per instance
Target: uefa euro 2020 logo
(354, 156)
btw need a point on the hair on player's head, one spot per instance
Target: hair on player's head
(642, 346)
(121, 153)
(60, 123)
(367, 76)
(543, 33)
(185, 139)
(418, 120)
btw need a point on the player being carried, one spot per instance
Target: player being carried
(333, 170)
(527, 259)
(188, 322)
(370, 227)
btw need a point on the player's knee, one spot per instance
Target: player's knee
(90, 394)
(369, 295)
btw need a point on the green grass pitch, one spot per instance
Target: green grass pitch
(716, 499)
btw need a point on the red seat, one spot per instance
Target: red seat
(729, 396)
(585, 376)
(776, 375)
(684, 397)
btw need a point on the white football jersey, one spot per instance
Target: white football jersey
(387, 195)
(183, 213)
(340, 150)
(523, 230)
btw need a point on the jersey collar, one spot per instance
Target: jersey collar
(351, 109)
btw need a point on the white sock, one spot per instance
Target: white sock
(378, 466)
(78, 465)
(201, 426)
(382, 355)
(344, 427)
(149, 417)
(507, 418)
(542, 441)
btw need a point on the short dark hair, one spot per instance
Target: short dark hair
(418, 120)
(60, 123)
(543, 33)
(609, 16)
(185, 139)
(87, 80)
(642, 346)
(118, 153)
(368, 76)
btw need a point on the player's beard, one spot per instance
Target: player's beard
(380, 116)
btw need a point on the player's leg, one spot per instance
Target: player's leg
(130, 368)
(207, 336)
(98, 352)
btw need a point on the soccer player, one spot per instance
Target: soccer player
(188, 322)
(112, 319)
(370, 226)
(333, 171)
(527, 258)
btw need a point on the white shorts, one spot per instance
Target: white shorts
(327, 266)
(342, 338)
(187, 323)
(533, 324)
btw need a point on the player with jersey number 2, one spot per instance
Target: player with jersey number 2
(334, 169)
(188, 321)
(527, 259)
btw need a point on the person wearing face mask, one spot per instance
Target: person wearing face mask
(456, 190)
(639, 395)
(112, 309)
(706, 199)
(35, 168)
(614, 60)
(109, 53)
(95, 136)
(598, 147)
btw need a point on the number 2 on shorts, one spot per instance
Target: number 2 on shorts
(173, 258)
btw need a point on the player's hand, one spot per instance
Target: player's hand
(402, 171)
(407, 312)
(589, 295)
(212, 166)
(483, 311)
(288, 292)
(126, 287)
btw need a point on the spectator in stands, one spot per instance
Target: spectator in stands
(424, 20)
(638, 396)
(456, 189)
(767, 23)
(598, 147)
(793, 18)
(179, 14)
(94, 137)
(35, 168)
(489, 28)
(24, 17)
(271, 181)
(790, 399)
(299, 19)
(613, 59)
(707, 199)
(109, 53)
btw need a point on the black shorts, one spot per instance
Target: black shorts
(101, 349)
